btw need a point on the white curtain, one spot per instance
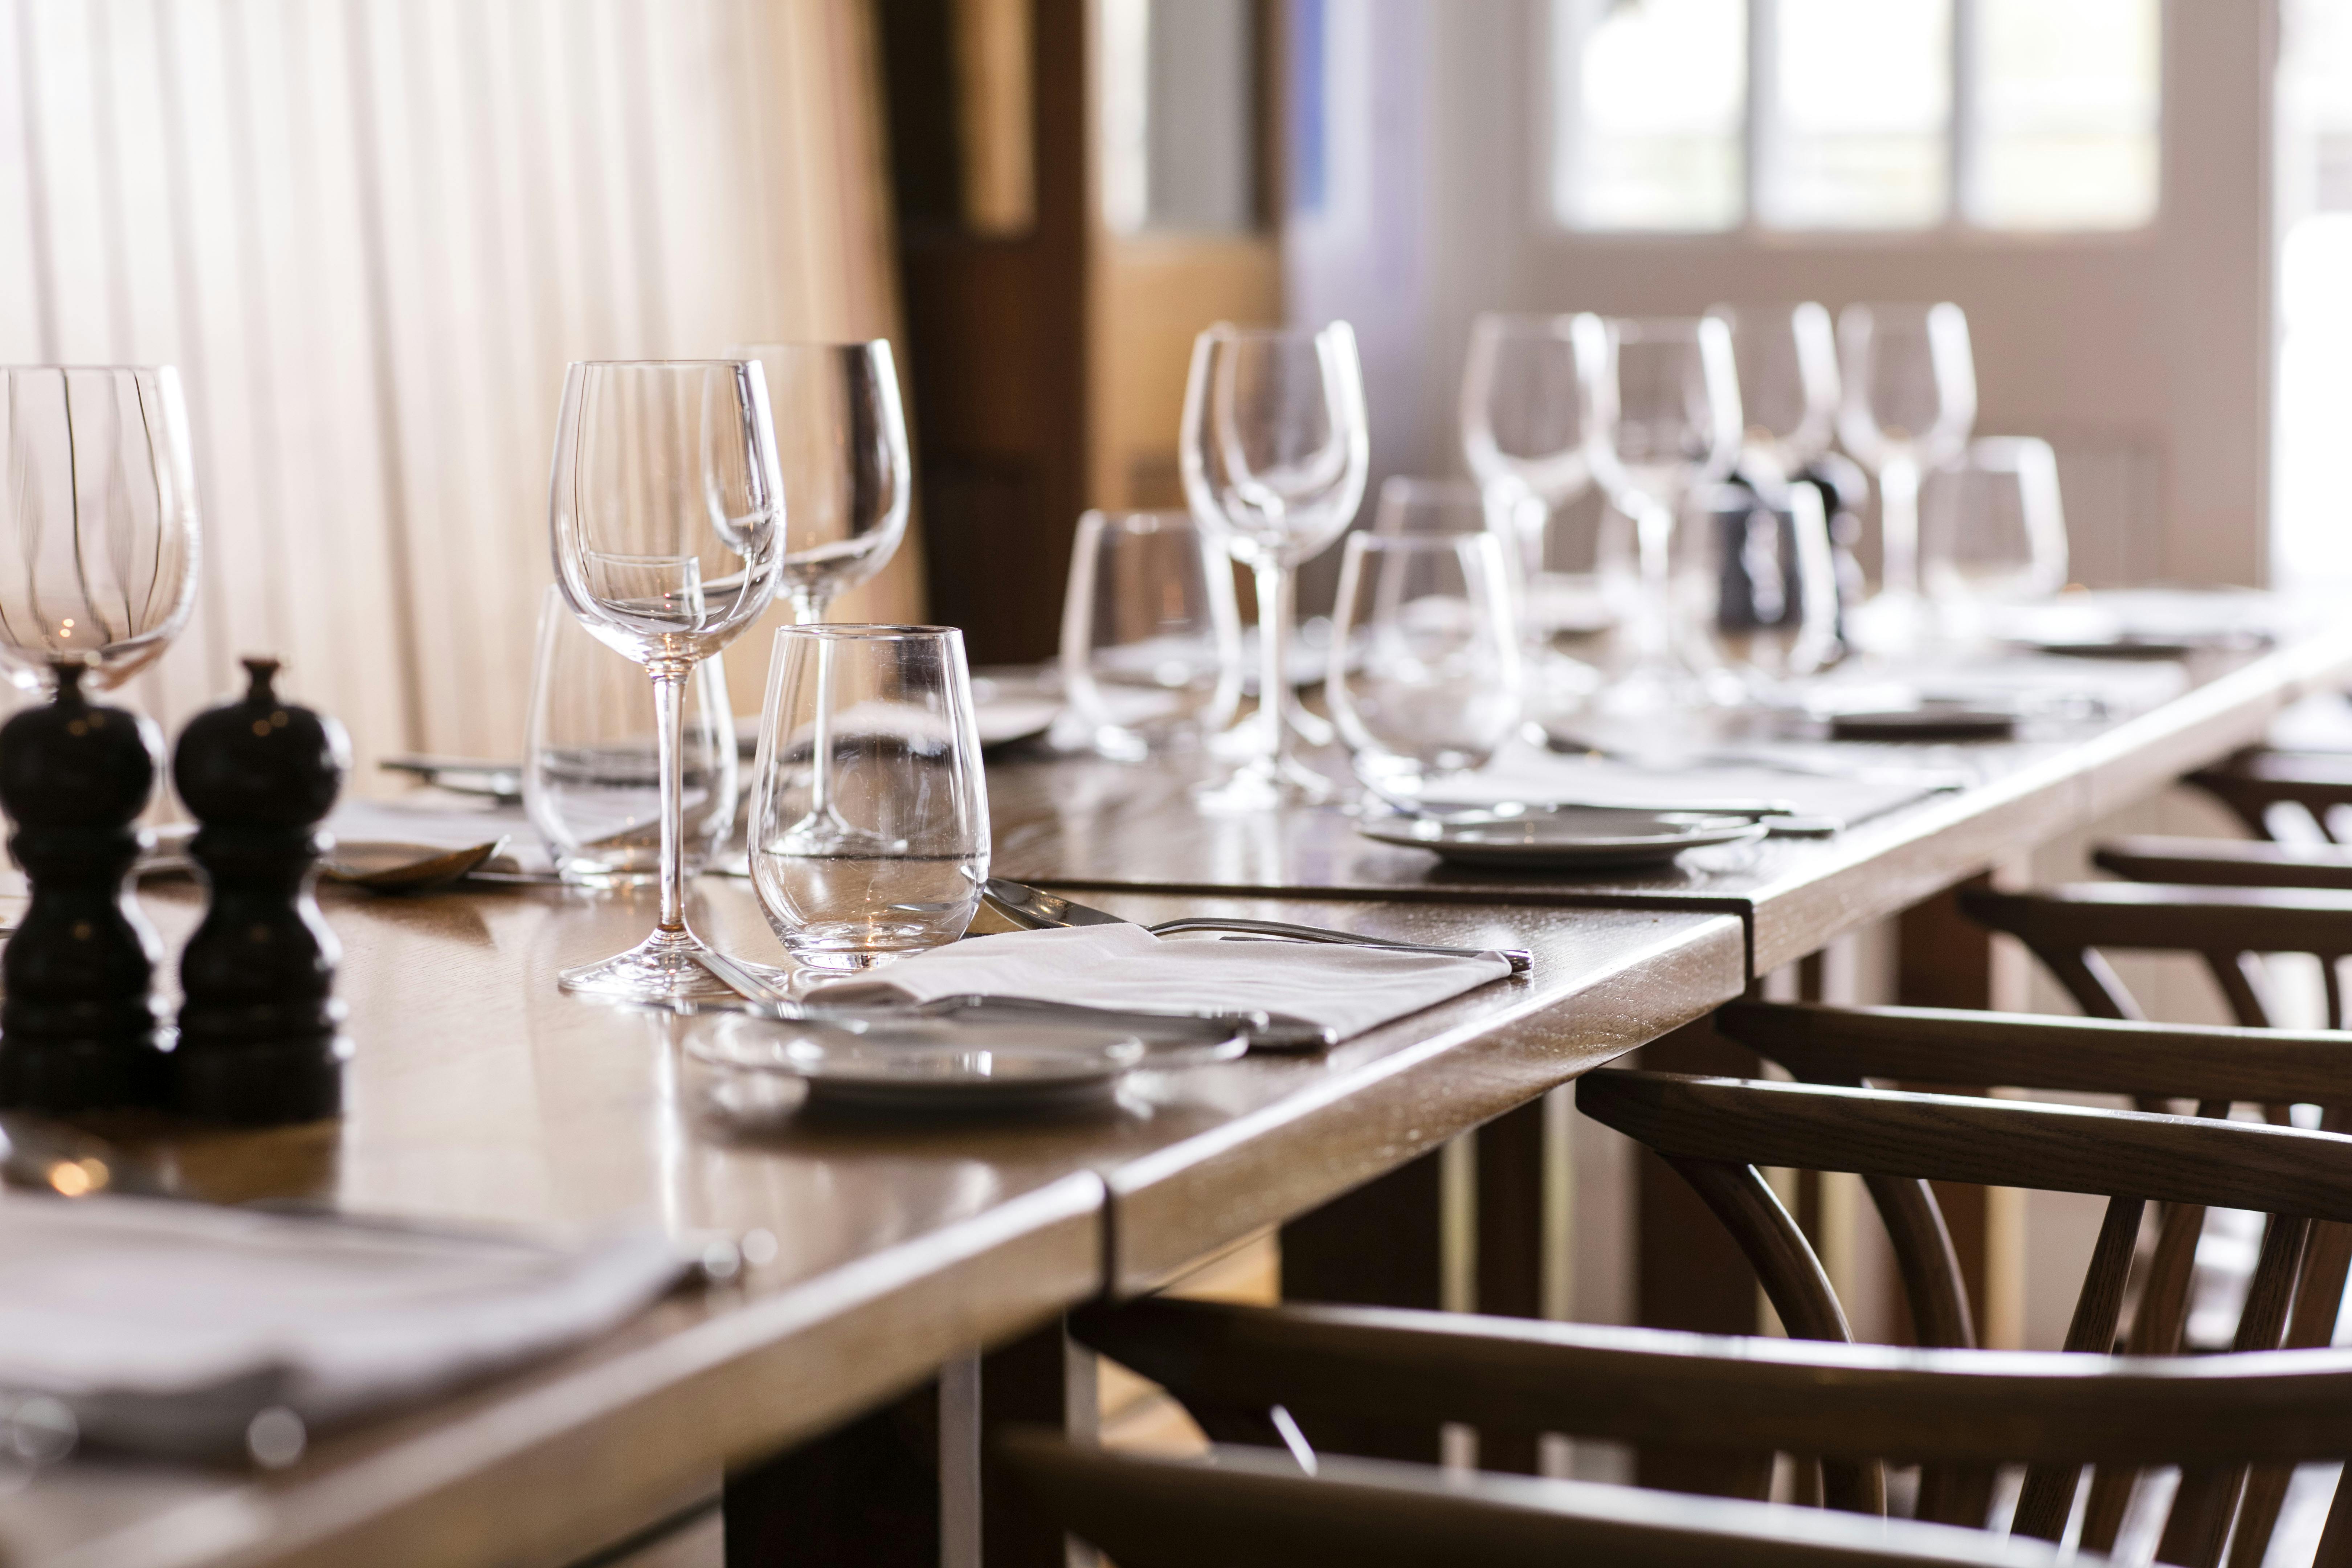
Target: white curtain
(371, 233)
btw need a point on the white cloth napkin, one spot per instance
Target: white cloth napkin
(1350, 989)
(170, 1326)
(432, 818)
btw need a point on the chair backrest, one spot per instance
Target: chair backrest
(2069, 928)
(1254, 1507)
(1716, 1132)
(2253, 780)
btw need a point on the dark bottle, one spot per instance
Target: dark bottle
(78, 1029)
(260, 1038)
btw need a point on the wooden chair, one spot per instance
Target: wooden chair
(2069, 928)
(1265, 1375)
(2253, 780)
(1254, 1507)
(1716, 1131)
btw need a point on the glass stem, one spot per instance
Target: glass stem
(1654, 534)
(669, 722)
(1274, 661)
(1899, 526)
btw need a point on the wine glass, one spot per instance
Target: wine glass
(1910, 401)
(1523, 436)
(1426, 673)
(666, 511)
(1786, 358)
(841, 443)
(1275, 452)
(99, 531)
(1662, 420)
(879, 849)
(1992, 532)
(1151, 648)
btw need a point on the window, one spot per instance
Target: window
(1822, 115)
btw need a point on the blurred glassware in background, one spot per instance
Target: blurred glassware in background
(1275, 452)
(1910, 401)
(1523, 436)
(1426, 673)
(877, 848)
(99, 533)
(1756, 590)
(841, 444)
(592, 759)
(1662, 421)
(667, 521)
(1992, 532)
(1151, 646)
(1786, 358)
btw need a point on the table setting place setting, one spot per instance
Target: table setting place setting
(1638, 630)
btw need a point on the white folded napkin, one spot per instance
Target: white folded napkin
(170, 1326)
(437, 821)
(1350, 989)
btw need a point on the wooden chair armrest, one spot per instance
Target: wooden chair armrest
(1822, 1044)
(1992, 1142)
(1256, 1509)
(2253, 781)
(1663, 1386)
(2227, 862)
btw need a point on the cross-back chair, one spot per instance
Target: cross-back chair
(2252, 784)
(1716, 1132)
(2155, 1065)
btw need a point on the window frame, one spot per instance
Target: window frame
(1955, 228)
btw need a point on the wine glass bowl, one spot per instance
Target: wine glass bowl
(99, 525)
(1992, 532)
(666, 516)
(1910, 399)
(841, 444)
(1150, 645)
(1786, 359)
(1274, 454)
(1662, 420)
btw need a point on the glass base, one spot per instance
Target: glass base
(665, 967)
(1892, 624)
(1267, 784)
(1246, 736)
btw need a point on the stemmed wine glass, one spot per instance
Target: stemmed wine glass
(1274, 454)
(666, 511)
(841, 443)
(1521, 413)
(1910, 401)
(99, 531)
(1661, 418)
(1786, 359)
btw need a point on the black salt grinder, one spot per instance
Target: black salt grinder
(78, 1029)
(259, 1039)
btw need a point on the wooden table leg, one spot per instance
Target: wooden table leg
(1691, 1274)
(866, 1493)
(1946, 960)
(1377, 1247)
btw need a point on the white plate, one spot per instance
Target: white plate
(920, 1066)
(1566, 836)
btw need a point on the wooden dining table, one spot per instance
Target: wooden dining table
(874, 1252)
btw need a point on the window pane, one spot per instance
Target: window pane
(1863, 113)
(1649, 100)
(2066, 114)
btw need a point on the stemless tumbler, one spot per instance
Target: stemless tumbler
(592, 758)
(1150, 634)
(1426, 676)
(869, 813)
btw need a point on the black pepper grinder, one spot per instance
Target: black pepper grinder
(259, 1039)
(79, 1029)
